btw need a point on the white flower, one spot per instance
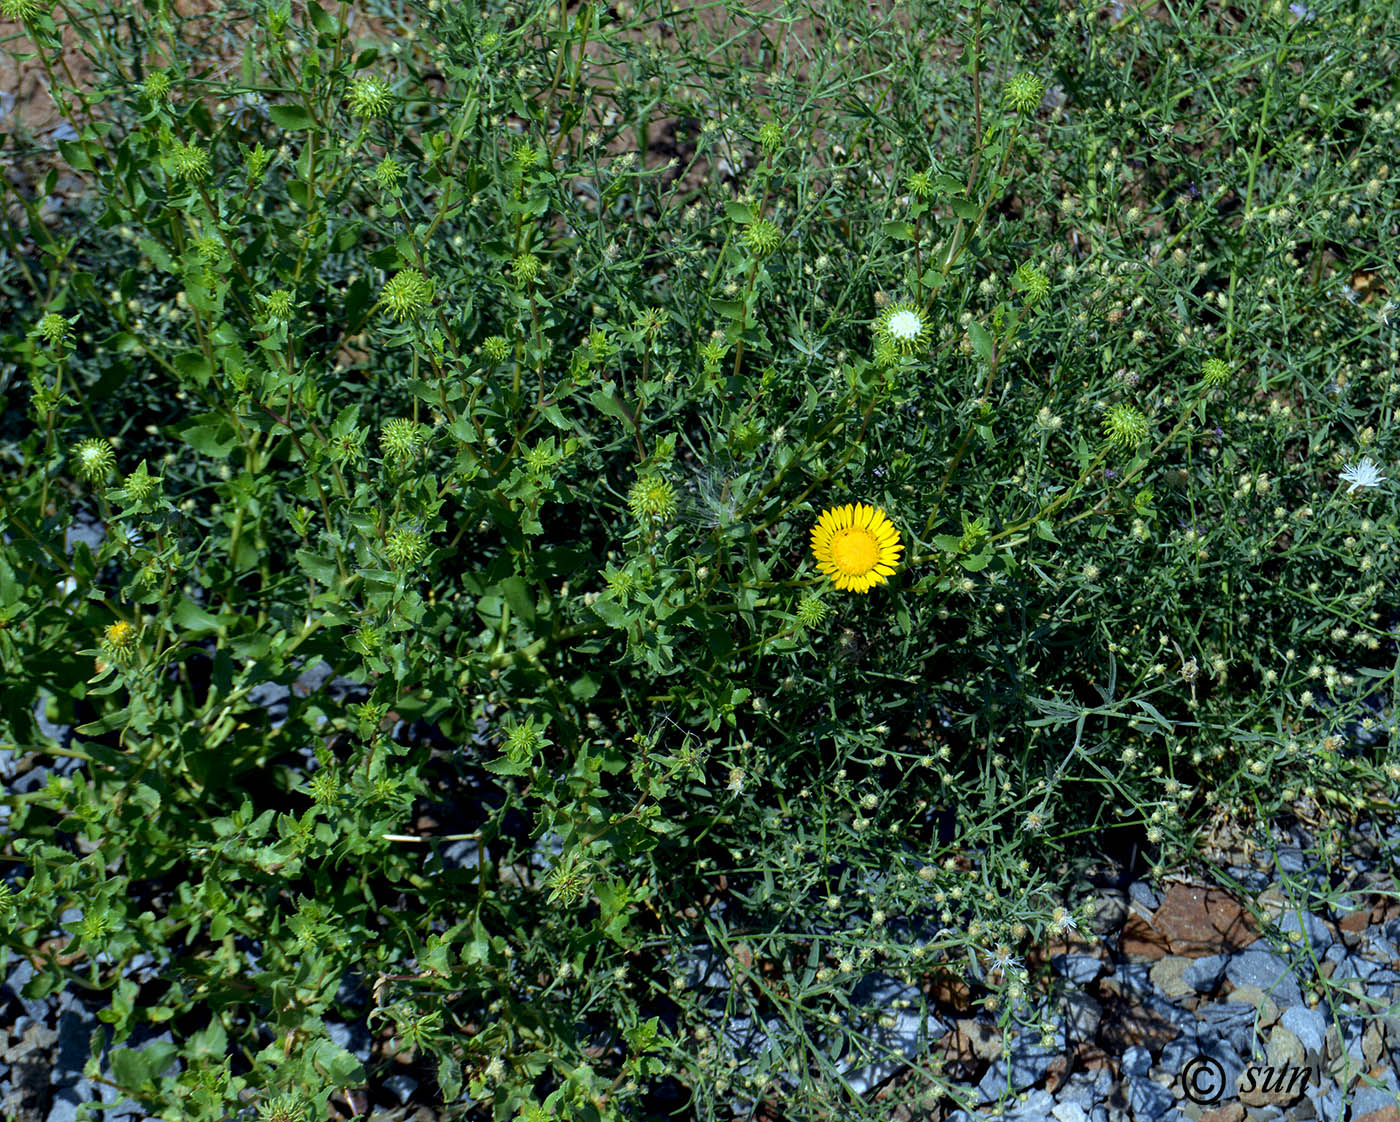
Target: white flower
(1364, 474)
(906, 325)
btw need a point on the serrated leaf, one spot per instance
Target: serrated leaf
(898, 228)
(976, 563)
(515, 592)
(610, 612)
(316, 566)
(604, 401)
(738, 212)
(156, 252)
(322, 20)
(191, 617)
(292, 118)
(965, 208)
(449, 1077)
(209, 433)
(981, 341)
(75, 155)
(734, 309)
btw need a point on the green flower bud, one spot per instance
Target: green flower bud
(407, 293)
(157, 85)
(278, 303)
(1215, 371)
(762, 237)
(495, 348)
(53, 329)
(400, 439)
(919, 184)
(770, 136)
(139, 483)
(370, 96)
(652, 499)
(93, 459)
(1124, 426)
(1032, 282)
(190, 162)
(526, 268)
(1023, 93)
(405, 547)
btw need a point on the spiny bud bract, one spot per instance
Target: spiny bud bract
(652, 499)
(406, 293)
(1124, 426)
(1023, 93)
(1215, 371)
(762, 237)
(93, 459)
(370, 96)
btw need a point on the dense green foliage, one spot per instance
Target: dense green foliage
(507, 371)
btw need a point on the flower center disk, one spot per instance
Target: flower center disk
(905, 325)
(855, 550)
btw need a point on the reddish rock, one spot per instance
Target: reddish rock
(957, 1052)
(1090, 1057)
(1140, 943)
(1385, 909)
(1202, 921)
(950, 993)
(1057, 1073)
(1353, 923)
(1385, 1114)
(1230, 1112)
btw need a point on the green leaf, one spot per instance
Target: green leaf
(738, 212)
(586, 687)
(946, 184)
(314, 565)
(516, 593)
(209, 433)
(291, 118)
(133, 1068)
(605, 401)
(552, 414)
(192, 618)
(322, 20)
(339, 1066)
(976, 563)
(449, 1077)
(195, 366)
(734, 309)
(479, 949)
(981, 341)
(610, 612)
(948, 543)
(1045, 531)
(900, 229)
(965, 209)
(156, 252)
(75, 155)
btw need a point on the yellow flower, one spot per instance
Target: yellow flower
(856, 546)
(121, 635)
